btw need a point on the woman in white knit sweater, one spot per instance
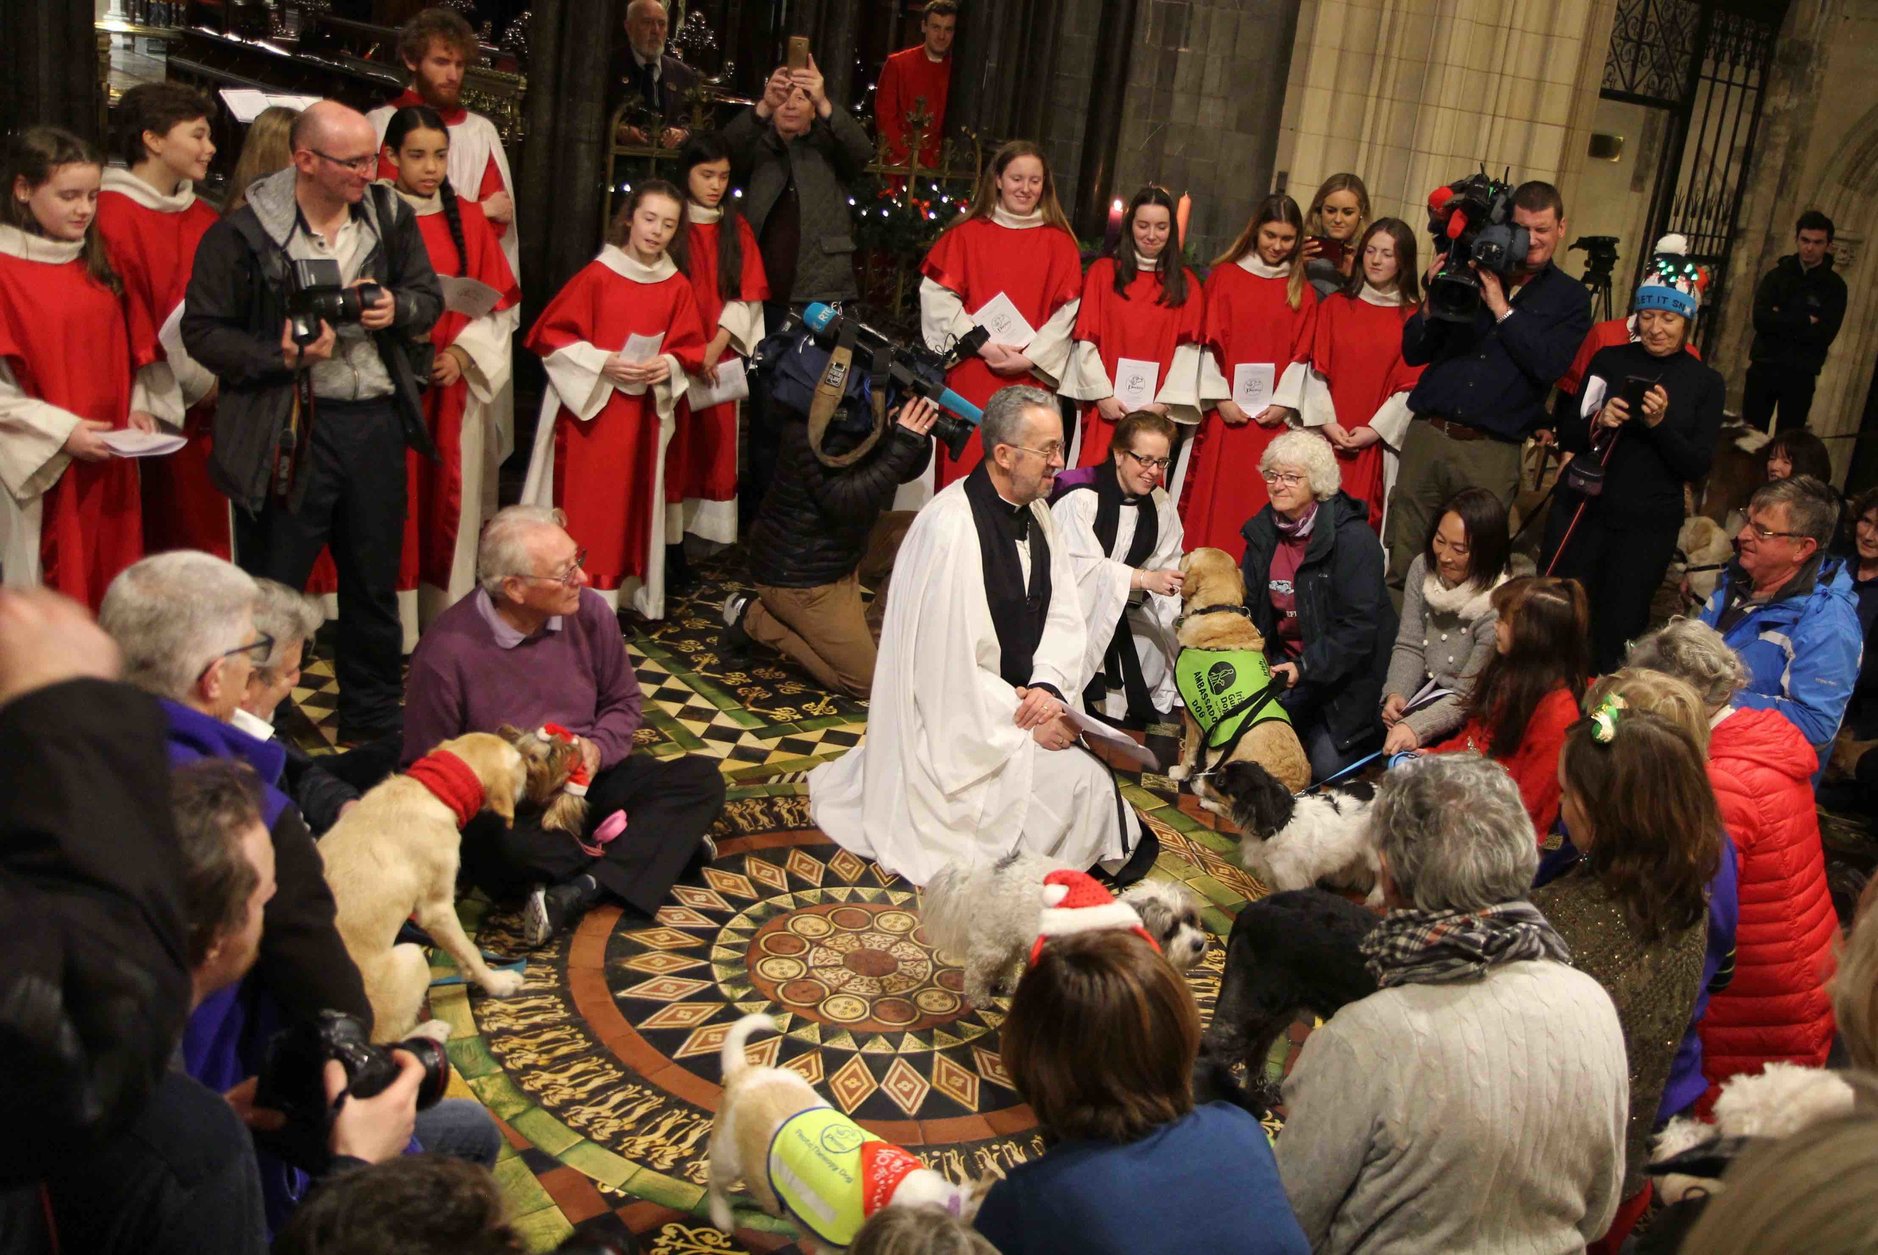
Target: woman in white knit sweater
(1446, 633)
(1477, 1101)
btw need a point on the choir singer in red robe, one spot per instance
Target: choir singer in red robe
(1010, 263)
(151, 221)
(1138, 332)
(916, 80)
(1259, 316)
(452, 496)
(617, 343)
(69, 517)
(1357, 390)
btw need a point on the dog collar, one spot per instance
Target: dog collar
(1195, 613)
(451, 782)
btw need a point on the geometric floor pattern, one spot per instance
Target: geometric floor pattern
(604, 1069)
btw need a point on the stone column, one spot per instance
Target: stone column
(51, 66)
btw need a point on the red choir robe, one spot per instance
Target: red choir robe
(1136, 326)
(479, 166)
(151, 240)
(599, 450)
(1038, 267)
(64, 356)
(701, 462)
(908, 77)
(450, 501)
(1248, 321)
(1356, 352)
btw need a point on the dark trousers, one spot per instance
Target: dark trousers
(669, 804)
(353, 474)
(1775, 386)
(763, 422)
(1621, 565)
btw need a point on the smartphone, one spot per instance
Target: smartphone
(1330, 250)
(1632, 393)
(798, 52)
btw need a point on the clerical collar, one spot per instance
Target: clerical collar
(1372, 295)
(507, 635)
(705, 214)
(1017, 222)
(1013, 520)
(626, 266)
(1254, 264)
(27, 247)
(125, 183)
(422, 206)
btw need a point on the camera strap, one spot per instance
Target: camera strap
(829, 390)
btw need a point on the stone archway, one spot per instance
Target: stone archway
(1849, 196)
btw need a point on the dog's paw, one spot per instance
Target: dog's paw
(1374, 900)
(437, 1030)
(503, 984)
(1179, 772)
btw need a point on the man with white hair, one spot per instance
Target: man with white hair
(533, 646)
(645, 73)
(972, 748)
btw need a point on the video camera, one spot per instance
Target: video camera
(293, 1082)
(907, 370)
(317, 293)
(1472, 222)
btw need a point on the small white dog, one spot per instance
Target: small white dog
(1776, 1102)
(805, 1161)
(1293, 842)
(989, 917)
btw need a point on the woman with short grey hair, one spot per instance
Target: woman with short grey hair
(1477, 1100)
(1314, 586)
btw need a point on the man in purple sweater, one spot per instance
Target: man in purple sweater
(531, 646)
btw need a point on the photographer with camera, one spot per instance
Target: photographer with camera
(313, 306)
(1499, 326)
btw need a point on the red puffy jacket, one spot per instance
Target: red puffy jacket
(1776, 1008)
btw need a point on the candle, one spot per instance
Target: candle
(1114, 233)
(1183, 209)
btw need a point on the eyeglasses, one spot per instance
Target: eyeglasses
(1288, 479)
(259, 650)
(569, 578)
(1048, 453)
(358, 165)
(1766, 534)
(1147, 463)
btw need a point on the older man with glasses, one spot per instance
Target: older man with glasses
(1785, 606)
(533, 646)
(973, 747)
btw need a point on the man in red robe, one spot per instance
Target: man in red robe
(915, 80)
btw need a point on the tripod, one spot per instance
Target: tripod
(1600, 261)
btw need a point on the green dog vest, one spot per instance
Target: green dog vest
(1220, 687)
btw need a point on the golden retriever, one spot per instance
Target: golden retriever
(1209, 577)
(394, 857)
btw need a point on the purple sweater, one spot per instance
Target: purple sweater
(473, 673)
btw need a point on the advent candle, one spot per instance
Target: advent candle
(1114, 233)
(1183, 209)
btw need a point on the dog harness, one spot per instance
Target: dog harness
(833, 1174)
(1228, 692)
(451, 782)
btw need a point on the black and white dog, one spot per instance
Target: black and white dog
(1294, 951)
(1295, 841)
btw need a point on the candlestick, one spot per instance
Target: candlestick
(1114, 232)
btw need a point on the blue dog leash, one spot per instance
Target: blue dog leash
(1333, 778)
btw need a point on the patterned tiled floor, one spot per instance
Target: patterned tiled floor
(603, 1070)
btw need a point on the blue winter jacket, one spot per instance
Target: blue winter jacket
(1801, 651)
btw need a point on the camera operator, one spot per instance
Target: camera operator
(1486, 381)
(310, 434)
(820, 532)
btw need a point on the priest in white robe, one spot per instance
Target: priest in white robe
(1124, 540)
(972, 750)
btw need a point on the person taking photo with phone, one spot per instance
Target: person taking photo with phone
(1649, 417)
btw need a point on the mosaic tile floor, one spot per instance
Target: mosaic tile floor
(604, 1069)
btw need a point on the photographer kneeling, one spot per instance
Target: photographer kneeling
(312, 305)
(823, 528)
(1649, 416)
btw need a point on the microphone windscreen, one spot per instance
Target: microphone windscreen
(818, 316)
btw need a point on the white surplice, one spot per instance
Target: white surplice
(945, 773)
(1103, 583)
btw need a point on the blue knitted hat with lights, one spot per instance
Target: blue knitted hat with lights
(1673, 283)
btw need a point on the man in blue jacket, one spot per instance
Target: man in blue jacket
(1786, 609)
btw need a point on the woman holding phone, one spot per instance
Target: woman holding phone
(1649, 417)
(1332, 225)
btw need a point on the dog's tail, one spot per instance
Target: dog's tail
(945, 911)
(733, 1063)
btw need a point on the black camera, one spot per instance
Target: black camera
(912, 370)
(318, 295)
(1472, 222)
(293, 1082)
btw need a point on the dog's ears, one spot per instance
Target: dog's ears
(510, 733)
(501, 791)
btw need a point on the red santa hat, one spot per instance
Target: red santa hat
(1076, 902)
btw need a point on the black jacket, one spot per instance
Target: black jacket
(821, 163)
(235, 311)
(1786, 301)
(1344, 615)
(813, 526)
(94, 976)
(1649, 465)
